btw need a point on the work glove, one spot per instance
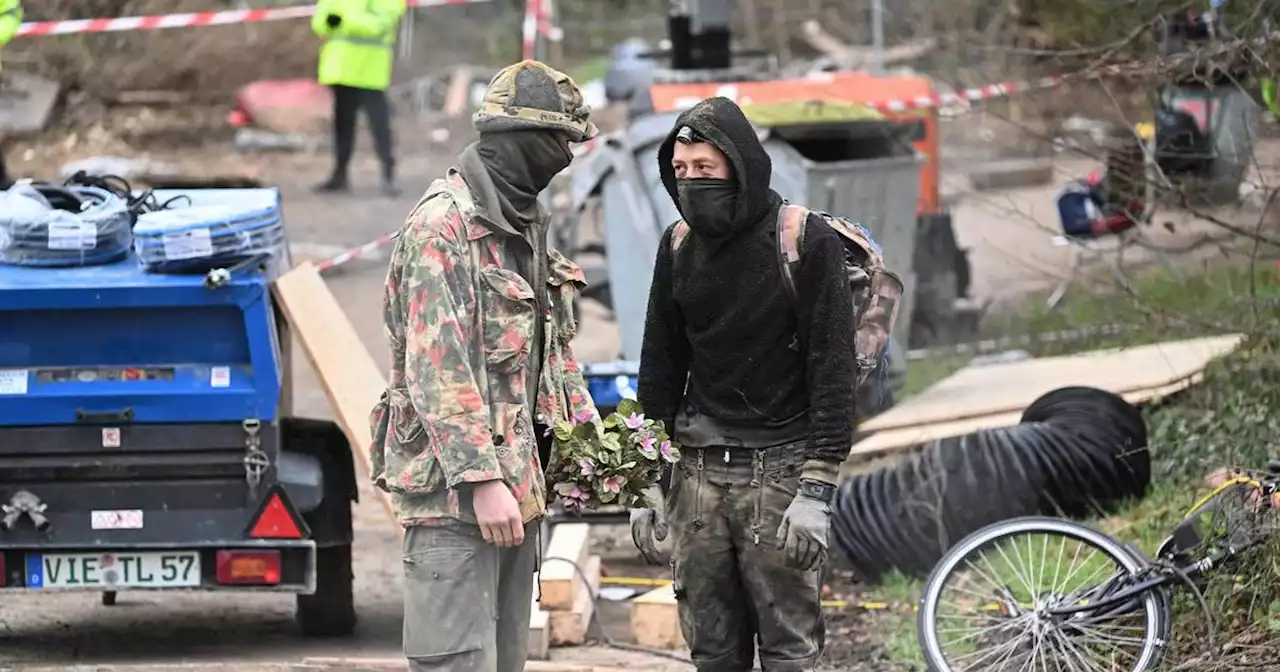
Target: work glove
(333, 20)
(803, 534)
(649, 524)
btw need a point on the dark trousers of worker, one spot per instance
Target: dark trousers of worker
(347, 103)
(732, 583)
(467, 603)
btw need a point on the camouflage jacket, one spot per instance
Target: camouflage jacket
(459, 321)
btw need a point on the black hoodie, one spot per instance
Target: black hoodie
(762, 369)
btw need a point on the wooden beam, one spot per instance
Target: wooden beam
(348, 374)
(539, 631)
(561, 586)
(396, 664)
(569, 628)
(655, 621)
(458, 97)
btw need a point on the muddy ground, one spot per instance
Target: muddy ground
(1008, 233)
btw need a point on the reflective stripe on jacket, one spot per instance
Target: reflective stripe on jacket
(10, 20)
(360, 52)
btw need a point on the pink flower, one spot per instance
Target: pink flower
(587, 466)
(573, 505)
(646, 445)
(582, 417)
(634, 421)
(613, 484)
(571, 490)
(665, 450)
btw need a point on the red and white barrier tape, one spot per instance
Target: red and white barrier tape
(355, 253)
(941, 100)
(538, 21)
(160, 21)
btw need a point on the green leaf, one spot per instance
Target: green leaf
(563, 430)
(628, 407)
(584, 432)
(612, 420)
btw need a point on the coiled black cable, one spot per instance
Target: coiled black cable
(49, 225)
(1077, 451)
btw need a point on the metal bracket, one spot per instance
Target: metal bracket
(256, 462)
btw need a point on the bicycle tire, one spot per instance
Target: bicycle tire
(1157, 614)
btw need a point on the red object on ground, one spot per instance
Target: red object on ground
(285, 106)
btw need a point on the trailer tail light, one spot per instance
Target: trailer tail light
(277, 519)
(240, 568)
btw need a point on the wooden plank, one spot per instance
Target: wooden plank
(351, 379)
(539, 631)
(1007, 388)
(458, 97)
(655, 621)
(561, 586)
(395, 664)
(570, 628)
(910, 437)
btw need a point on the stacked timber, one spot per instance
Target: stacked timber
(568, 580)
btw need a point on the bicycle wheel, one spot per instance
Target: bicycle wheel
(1004, 581)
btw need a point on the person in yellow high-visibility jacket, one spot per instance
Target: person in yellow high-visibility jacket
(10, 21)
(356, 61)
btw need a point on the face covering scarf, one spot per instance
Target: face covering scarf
(522, 164)
(708, 205)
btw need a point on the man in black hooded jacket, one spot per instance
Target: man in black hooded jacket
(760, 391)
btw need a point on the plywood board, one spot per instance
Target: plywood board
(559, 581)
(655, 620)
(909, 437)
(1008, 388)
(570, 628)
(351, 379)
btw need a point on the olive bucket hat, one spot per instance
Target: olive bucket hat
(530, 95)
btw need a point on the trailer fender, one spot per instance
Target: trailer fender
(320, 447)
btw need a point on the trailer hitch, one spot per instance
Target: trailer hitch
(25, 503)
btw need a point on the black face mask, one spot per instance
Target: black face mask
(708, 205)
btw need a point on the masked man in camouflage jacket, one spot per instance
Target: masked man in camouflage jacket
(479, 317)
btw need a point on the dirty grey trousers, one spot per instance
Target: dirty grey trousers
(467, 602)
(732, 584)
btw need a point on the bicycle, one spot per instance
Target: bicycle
(1114, 616)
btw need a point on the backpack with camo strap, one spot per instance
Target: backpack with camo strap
(875, 291)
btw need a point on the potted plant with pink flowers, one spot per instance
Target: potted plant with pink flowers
(609, 462)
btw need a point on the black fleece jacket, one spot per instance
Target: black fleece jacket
(758, 365)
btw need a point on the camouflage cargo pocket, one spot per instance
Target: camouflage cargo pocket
(508, 318)
(403, 420)
(567, 281)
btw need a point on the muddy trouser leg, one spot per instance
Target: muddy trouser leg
(787, 602)
(378, 112)
(346, 105)
(515, 599)
(713, 616)
(457, 606)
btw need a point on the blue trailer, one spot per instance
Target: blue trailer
(146, 441)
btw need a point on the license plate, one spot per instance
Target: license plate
(176, 569)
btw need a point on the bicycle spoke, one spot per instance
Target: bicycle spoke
(996, 611)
